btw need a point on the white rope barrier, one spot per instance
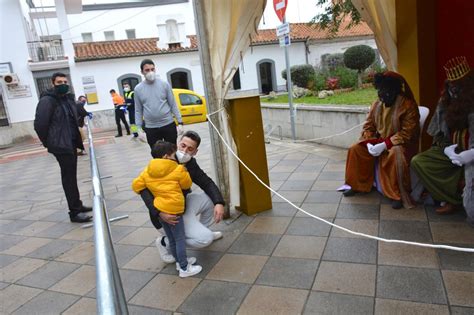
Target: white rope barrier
(438, 246)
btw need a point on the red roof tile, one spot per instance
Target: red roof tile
(147, 46)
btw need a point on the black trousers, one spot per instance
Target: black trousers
(148, 199)
(68, 165)
(120, 116)
(131, 114)
(167, 133)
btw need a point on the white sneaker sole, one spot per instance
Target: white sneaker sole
(191, 261)
(164, 254)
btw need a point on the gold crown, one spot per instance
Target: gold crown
(456, 68)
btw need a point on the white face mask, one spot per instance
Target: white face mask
(127, 89)
(150, 76)
(182, 157)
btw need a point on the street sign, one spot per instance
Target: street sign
(280, 8)
(283, 29)
(285, 41)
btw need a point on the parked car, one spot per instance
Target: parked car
(191, 105)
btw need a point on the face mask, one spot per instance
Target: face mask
(61, 89)
(126, 89)
(83, 103)
(150, 76)
(182, 157)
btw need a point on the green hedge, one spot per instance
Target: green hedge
(301, 75)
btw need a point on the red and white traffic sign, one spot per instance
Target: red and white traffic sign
(280, 8)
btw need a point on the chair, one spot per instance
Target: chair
(424, 112)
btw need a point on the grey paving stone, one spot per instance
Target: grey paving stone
(48, 275)
(48, 303)
(215, 297)
(410, 284)
(308, 226)
(458, 216)
(7, 241)
(140, 310)
(254, 244)
(132, 282)
(58, 230)
(323, 197)
(279, 175)
(416, 231)
(123, 253)
(206, 259)
(59, 216)
(358, 211)
(295, 196)
(453, 260)
(297, 185)
(279, 209)
(15, 226)
(290, 162)
(3, 285)
(351, 250)
(288, 272)
(53, 249)
(119, 231)
(457, 310)
(333, 303)
(332, 176)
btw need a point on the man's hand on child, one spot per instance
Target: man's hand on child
(169, 218)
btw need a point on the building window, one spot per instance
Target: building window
(174, 45)
(3, 112)
(87, 37)
(172, 31)
(180, 78)
(109, 35)
(189, 99)
(131, 34)
(236, 80)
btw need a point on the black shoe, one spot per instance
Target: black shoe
(349, 193)
(85, 209)
(397, 204)
(79, 217)
(116, 136)
(135, 135)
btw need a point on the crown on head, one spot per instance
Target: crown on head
(456, 68)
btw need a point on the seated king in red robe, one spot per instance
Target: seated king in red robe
(388, 142)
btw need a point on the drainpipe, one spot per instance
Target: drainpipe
(306, 49)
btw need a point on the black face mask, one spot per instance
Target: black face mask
(387, 96)
(61, 89)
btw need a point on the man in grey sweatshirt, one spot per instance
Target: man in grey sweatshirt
(154, 101)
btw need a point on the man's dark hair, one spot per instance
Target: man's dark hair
(146, 62)
(81, 96)
(112, 91)
(57, 74)
(381, 80)
(161, 148)
(193, 135)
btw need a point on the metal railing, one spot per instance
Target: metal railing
(46, 50)
(110, 295)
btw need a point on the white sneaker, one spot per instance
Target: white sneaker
(216, 235)
(191, 270)
(191, 260)
(164, 254)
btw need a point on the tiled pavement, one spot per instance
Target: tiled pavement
(278, 262)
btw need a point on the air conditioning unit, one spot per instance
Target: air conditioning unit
(11, 79)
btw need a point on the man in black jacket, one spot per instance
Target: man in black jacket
(209, 206)
(56, 123)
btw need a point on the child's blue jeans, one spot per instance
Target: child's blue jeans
(177, 240)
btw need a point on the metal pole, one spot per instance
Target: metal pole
(290, 89)
(218, 150)
(110, 295)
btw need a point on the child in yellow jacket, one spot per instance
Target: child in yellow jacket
(166, 179)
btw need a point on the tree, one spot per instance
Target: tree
(335, 12)
(359, 58)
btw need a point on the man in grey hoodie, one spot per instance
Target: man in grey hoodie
(155, 103)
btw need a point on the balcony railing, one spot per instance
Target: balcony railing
(46, 50)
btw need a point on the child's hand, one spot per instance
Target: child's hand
(171, 219)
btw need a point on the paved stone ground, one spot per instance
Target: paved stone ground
(278, 262)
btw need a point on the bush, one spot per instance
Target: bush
(319, 81)
(359, 57)
(347, 77)
(301, 75)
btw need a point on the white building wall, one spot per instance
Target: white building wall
(14, 49)
(334, 47)
(248, 68)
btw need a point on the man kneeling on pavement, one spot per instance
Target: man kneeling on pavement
(208, 205)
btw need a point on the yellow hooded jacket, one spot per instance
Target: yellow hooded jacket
(166, 180)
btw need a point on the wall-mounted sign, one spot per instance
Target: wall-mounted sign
(91, 94)
(18, 91)
(88, 80)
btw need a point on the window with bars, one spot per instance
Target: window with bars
(131, 34)
(87, 37)
(3, 112)
(109, 35)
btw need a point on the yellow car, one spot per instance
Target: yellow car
(191, 105)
